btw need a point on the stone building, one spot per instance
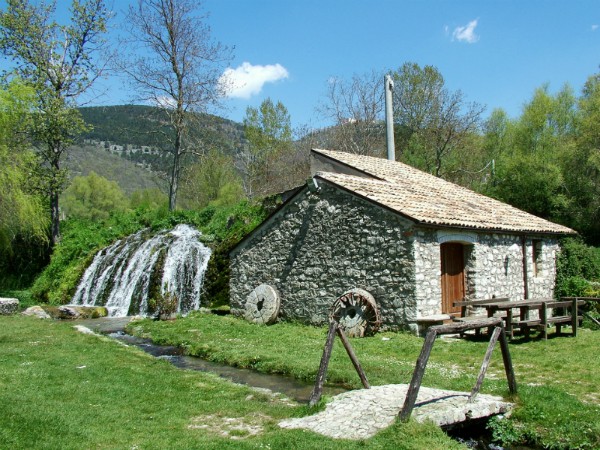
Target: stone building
(415, 242)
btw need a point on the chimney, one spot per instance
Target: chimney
(389, 118)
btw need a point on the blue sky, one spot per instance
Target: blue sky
(496, 52)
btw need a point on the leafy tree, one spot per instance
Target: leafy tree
(530, 153)
(93, 197)
(60, 62)
(149, 199)
(212, 179)
(432, 123)
(22, 210)
(175, 65)
(547, 122)
(269, 133)
(582, 164)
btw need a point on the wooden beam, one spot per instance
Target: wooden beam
(318, 389)
(485, 364)
(417, 378)
(353, 358)
(508, 367)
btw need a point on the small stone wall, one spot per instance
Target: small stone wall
(319, 246)
(8, 306)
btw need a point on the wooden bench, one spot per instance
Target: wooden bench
(425, 322)
(569, 315)
(465, 304)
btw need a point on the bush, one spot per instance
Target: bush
(93, 197)
(577, 269)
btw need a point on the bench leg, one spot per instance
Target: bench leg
(558, 329)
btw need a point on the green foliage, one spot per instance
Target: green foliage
(223, 227)
(532, 184)
(58, 62)
(149, 199)
(576, 267)
(93, 197)
(269, 133)
(548, 418)
(23, 220)
(211, 180)
(164, 306)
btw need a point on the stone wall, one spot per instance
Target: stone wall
(321, 244)
(540, 282)
(497, 268)
(428, 270)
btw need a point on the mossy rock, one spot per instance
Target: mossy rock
(76, 312)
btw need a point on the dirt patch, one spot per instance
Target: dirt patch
(231, 427)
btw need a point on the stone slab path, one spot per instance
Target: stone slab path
(360, 414)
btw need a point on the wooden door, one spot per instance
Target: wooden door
(453, 276)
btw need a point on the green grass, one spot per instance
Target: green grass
(558, 378)
(62, 389)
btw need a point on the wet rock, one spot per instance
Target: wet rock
(8, 306)
(37, 311)
(81, 312)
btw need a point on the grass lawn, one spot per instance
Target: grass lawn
(63, 389)
(559, 379)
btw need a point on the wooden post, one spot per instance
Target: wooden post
(415, 382)
(574, 316)
(353, 358)
(318, 389)
(508, 368)
(485, 364)
(545, 320)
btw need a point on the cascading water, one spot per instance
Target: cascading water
(125, 275)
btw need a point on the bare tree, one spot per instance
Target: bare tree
(174, 64)
(61, 62)
(356, 108)
(431, 122)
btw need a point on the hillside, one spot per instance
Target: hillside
(81, 160)
(124, 143)
(138, 126)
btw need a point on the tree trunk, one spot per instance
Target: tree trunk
(54, 193)
(174, 182)
(55, 218)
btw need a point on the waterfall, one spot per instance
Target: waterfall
(125, 275)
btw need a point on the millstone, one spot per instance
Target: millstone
(356, 312)
(262, 305)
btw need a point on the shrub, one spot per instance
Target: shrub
(577, 268)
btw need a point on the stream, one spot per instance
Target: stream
(473, 435)
(288, 386)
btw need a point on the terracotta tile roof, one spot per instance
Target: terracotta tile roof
(427, 199)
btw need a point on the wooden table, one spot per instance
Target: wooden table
(524, 306)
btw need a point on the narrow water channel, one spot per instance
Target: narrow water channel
(288, 386)
(473, 436)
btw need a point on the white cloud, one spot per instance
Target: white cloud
(594, 27)
(248, 80)
(466, 33)
(166, 102)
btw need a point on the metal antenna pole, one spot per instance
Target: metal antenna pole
(389, 118)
